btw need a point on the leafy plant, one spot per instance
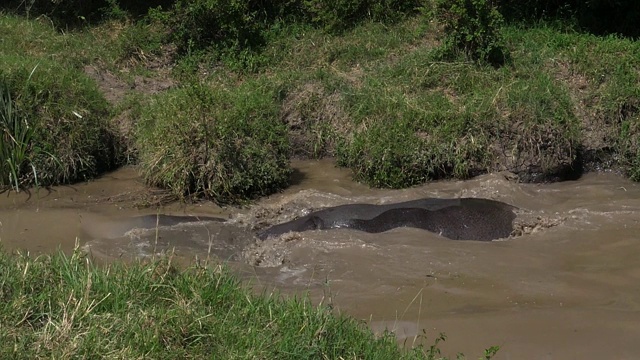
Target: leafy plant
(472, 27)
(219, 24)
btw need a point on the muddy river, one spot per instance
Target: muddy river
(567, 288)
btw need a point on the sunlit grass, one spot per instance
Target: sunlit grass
(15, 141)
(61, 306)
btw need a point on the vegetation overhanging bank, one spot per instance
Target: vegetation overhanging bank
(401, 92)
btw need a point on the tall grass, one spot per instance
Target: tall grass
(226, 145)
(15, 141)
(59, 306)
(56, 127)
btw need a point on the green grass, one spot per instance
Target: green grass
(58, 306)
(204, 141)
(16, 139)
(602, 78)
(411, 118)
(376, 96)
(422, 119)
(64, 135)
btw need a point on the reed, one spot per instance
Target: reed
(15, 142)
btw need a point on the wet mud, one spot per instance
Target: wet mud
(565, 286)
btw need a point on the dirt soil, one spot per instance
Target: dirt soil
(115, 88)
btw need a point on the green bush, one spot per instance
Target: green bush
(221, 24)
(74, 13)
(338, 15)
(224, 145)
(55, 125)
(472, 27)
(596, 16)
(63, 13)
(533, 10)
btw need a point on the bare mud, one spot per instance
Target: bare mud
(566, 285)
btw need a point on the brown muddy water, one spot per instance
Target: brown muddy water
(568, 288)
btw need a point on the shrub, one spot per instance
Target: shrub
(63, 13)
(55, 125)
(224, 145)
(472, 27)
(532, 10)
(338, 15)
(596, 16)
(222, 24)
(73, 13)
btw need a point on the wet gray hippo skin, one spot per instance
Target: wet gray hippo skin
(458, 219)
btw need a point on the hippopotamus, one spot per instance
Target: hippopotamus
(457, 219)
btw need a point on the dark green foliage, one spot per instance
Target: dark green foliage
(74, 13)
(63, 13)
(338, 15)
(596, 16)
(237, 30)
(221, 24)
(534, 10)
(610, 16)
(223, 145)
(472, 27)
(67, 135)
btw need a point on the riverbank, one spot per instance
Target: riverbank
(64, 306)
(378, 96)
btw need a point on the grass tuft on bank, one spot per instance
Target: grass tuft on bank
(227, 145)
(59, 306)
(54, 126)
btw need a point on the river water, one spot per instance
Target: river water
(567, 288)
